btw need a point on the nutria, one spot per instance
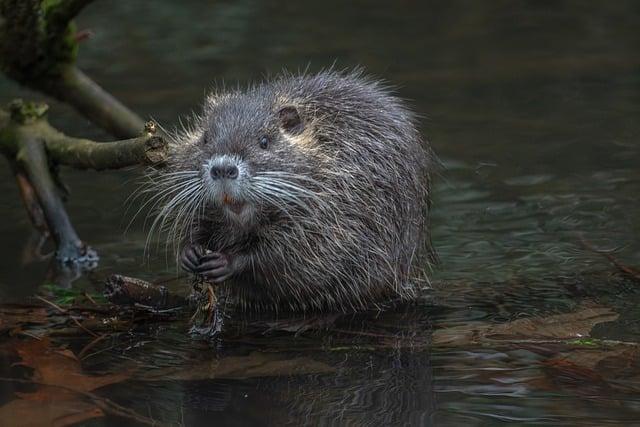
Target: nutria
(305, 192)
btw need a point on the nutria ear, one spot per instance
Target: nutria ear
(290, 120)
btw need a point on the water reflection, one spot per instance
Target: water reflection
(362, 370)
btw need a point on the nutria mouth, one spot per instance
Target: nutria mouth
(235, 206)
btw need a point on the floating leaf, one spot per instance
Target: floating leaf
(12, 316)
(60, 397)
(567, 327)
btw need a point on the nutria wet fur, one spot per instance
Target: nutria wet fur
(306, 192)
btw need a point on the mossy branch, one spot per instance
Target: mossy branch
(38, 49)
(29, 121)
(88, 98)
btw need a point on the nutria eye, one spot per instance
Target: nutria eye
(264, 142)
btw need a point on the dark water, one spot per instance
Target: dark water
(533, 108)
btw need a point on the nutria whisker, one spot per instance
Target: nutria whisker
(179, 204)
(280, 191)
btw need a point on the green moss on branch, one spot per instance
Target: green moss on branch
(38, 49)
(29, 121)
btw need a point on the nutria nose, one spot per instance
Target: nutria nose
(224, 171)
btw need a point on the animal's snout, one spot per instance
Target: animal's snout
(224, 171)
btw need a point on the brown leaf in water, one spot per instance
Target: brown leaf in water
(59, 398)
(574, 325)
(12, 316)
(58, 367)
(578, 365)
(610, 371)
(30, 413)
(594, 371)
(565, 375)
(569, 326)
(611, 357)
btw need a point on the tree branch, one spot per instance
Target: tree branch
(38, 49)
(88, 98)
(32, 145)
(28, 121)
(32, 158)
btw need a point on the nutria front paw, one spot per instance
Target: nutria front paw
(190, 257)
(215, 266)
